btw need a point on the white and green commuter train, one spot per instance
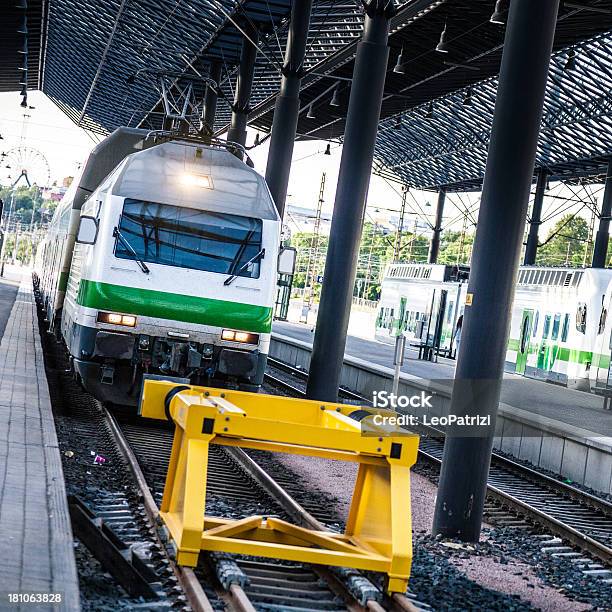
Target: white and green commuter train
(162, 259)
(560, 330)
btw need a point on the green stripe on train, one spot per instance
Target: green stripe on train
(63, 281)
(172, 306)
(565, 354)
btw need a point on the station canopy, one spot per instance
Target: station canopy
(106, 63)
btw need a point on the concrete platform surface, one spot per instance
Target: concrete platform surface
(9, 284)
(575, 408)
(36, 543)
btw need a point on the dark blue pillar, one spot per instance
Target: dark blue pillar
(531, 248)
(499, 236)
(353, 181)
(244, 83)
(434, 245)
(600, 252)
(211, 97)
(286, 111)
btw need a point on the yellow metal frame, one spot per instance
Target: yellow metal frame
(378, 534)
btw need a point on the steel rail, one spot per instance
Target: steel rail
(583, 541)
(188, 580)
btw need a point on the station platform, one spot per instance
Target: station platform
(36, 543)
(565, 431)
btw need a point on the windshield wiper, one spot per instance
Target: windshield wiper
(230, 279)
(117, 234)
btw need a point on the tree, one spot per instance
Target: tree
(565, 243)
(25, 199)
(455, 248)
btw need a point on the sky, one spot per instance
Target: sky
(45, 128)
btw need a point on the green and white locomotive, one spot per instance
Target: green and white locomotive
(162, 259)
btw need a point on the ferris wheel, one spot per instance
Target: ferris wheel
(24, 164)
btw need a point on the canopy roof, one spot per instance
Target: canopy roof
(94, 51)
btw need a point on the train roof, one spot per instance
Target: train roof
(195, 176)
(528, 276)
(435, 272)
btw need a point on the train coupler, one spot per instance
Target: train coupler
(378, 534)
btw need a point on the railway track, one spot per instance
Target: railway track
(128, 499)
(582, 519)
(238, 486)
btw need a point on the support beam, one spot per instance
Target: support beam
(210, 99)
(600, 252)
(501, 224)
(434, 245)
(287, 108)
(349, 208)
(240, 108)
(531, 247)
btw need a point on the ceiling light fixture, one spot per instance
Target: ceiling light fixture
(399, 65)
(442, 46)
(335, 101)
(499, 13)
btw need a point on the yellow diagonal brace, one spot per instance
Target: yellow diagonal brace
(319, 538)
(235, 527)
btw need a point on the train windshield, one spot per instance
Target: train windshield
(190, 238)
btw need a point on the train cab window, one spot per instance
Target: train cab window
(565, 328)
(602, 320)
(190, 238)
(536, 320)
(581, 318)
(546, 330)
(556, 326)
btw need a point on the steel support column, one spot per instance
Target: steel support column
(501, 224)
(244, 82)
(349, 208)
(600, 252)
(434, 245)
(287, 108)
(210, 99)
(531, 248)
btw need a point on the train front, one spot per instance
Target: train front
(181, 279)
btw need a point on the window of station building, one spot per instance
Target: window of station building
(546, 330)
(565, 328)
(190, 238)
(581, 317)
(536, 320)
(556, 326)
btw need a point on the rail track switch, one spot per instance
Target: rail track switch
(378, 534)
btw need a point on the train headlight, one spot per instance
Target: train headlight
(196, 180)
(239, 336)
(114, 318)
